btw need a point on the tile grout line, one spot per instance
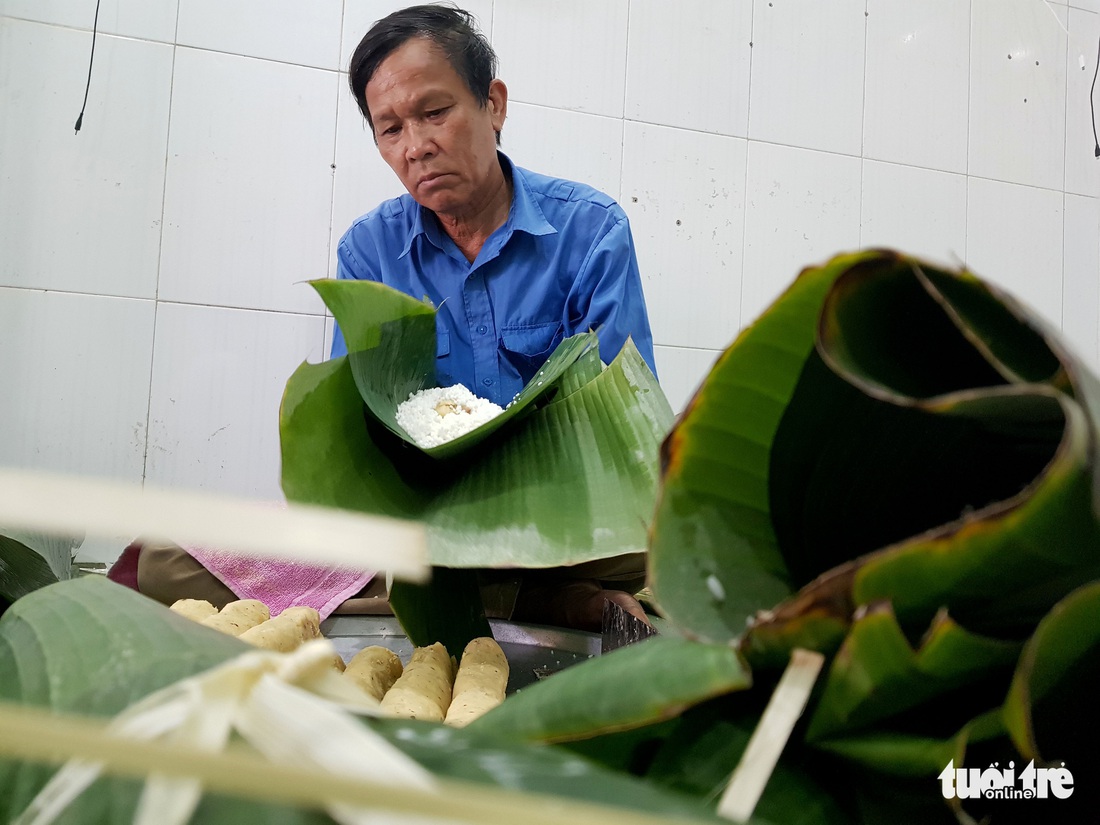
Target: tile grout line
(1065, 161)
(863, 121)
(745, 194)
(160, 250)
(335, 165)
(969, 104)
(622, 139)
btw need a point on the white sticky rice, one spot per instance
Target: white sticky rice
(437, 415)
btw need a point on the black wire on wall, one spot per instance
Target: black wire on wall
(95, 28)
(1092, 102)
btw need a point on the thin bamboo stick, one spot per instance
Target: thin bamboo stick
(38, 735)
(319, 535)
(761, 755)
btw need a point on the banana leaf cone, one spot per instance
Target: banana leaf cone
(896, 465)
(567, 474)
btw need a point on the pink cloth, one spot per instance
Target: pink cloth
(282, 584)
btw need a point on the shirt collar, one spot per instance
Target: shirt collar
(525, 215)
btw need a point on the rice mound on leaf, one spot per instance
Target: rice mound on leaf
(437, 415)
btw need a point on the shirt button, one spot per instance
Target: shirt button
(488, 382)
(482, 329)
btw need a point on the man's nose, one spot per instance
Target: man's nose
(419, 142)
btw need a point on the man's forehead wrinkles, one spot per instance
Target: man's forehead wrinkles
(412, 100)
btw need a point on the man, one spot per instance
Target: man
(513, 260)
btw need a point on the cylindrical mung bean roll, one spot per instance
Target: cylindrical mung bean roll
(194, 609)
(481, 682)
(236, 617)
(423, 691)
(374, 669)
(285, 632)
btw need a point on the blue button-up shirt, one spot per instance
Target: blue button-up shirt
(563, 263)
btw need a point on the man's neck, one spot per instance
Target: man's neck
(472, 228)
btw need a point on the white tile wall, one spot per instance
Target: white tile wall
(919, 211)
(129, 18)
(77, 396)
(1017, 93)
(807, 73)
(1082, 165)
(362, 179)
(249, 183)
(545, 140)
(1014, 238)
(707, 86)
(81, 211)
(802, 208)
(330, 330)
(218, 377)
(1081, 295)
(917, 82)
(681, 371)
(684, 193)
(570, 54)
(287, 30)
(843, 124)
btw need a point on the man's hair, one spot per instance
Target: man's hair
(449, 28)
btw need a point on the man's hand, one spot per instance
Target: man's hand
(574, 603)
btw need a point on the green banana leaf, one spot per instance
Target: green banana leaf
(445, 609)
(714, 559)
(475, 756)
(886, 431)
(93, 647)
(889, 445)
(571, 479)
(29, 560)
(917, 755)
(697, 751)
(392, 349)
(630, 687)
(877, 675)
(1053, 692)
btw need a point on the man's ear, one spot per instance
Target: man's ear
(498, 103)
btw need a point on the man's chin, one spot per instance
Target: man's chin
(441, 203)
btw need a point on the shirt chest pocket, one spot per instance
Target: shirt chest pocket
(527, 347)
(443, 368)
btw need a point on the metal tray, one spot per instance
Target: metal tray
(534, 651)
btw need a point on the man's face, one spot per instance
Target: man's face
(431, 130)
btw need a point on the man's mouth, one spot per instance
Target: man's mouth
(429, 180)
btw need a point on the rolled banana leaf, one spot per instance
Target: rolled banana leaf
(886, 431)
(897, 465)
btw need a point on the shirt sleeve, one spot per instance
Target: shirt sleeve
(349, 266)
(607, 295)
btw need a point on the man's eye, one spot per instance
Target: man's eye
(435, 112)
(390, 130)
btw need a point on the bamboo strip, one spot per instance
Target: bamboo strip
(784, 708)
(39, 735)
(71, 505)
